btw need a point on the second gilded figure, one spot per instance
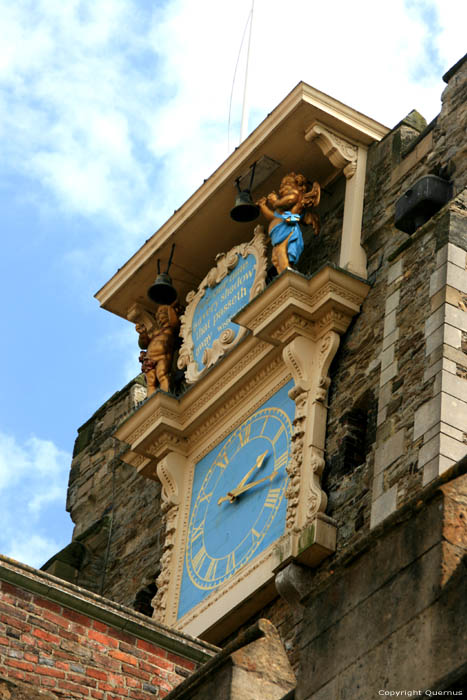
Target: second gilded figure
(284, 211)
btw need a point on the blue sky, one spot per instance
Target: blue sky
(112, 112)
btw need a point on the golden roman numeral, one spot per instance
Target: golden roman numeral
(203, 496)
(211, 572)
(222, 460)
(277, 435)
(272, 498)
(264, 426)
(244, 434)
(198, 559)
(255, 534)
(197, 532)
(281, 461)
(230, 563)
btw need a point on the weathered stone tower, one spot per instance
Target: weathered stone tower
(387, 609)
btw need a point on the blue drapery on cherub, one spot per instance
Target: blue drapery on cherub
(289, 227)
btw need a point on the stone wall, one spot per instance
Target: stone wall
(397, 415)
(394, 615)
(116, 512)
(59, 641)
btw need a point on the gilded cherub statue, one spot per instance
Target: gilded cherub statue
(284, 212)
(158, 346)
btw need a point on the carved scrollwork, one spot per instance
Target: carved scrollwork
(309, 362)
(225, 263)
(169, 471)
(219, 346)
(341, 153)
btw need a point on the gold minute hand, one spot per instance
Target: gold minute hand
(230, 497)
(241, 488)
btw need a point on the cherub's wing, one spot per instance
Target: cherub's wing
(313, 219)
(313, 196)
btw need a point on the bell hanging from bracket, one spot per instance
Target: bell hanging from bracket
(162, 291)
(245, 209)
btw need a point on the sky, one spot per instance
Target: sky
(112, 113)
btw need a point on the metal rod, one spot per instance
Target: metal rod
(170, 259)
(245, 108)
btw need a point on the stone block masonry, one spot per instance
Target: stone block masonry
(59, 642)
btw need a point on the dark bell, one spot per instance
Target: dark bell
(244, 209)
(162, 291)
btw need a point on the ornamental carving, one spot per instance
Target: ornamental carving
(206, 327)
(341, 153)
(309, 363)
(170, 473)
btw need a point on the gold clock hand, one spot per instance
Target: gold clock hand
(232, 495)
(257, 465)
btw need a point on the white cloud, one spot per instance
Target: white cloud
(119, 109)
(33, 480)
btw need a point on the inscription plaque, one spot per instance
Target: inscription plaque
(207, 330)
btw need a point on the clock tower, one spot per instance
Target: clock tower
(240, 451)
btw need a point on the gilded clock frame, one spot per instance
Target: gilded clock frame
(294, 329)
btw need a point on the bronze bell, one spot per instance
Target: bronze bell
(245, 209)
(162, 291)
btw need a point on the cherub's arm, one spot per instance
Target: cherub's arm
(288, 200)
(265, 210)
(144, 339)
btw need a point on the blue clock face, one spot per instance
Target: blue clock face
(238, 503)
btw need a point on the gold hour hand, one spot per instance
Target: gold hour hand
(231, 495)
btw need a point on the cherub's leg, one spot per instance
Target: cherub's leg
(151, 381)
(279, 257)
(163, 371)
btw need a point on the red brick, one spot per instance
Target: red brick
(137, 672)
(31, 657)
(104, 686)
(5, 641)
(100, 627)
(23, 665)
(75, 678)
(103, 639)
(124, 637)
(152, 648)
(137, 695)
(130, 649)
(13, 620)
(160, 663)
(56, 619)
(78, 691)
(48, 682)
(132, 682)
(121, 656)
(98, 694)
(48, 604)
(64, 666)
(116, 681)
(73, 636)
(46, 636)
(47, 671)
(15, 592)
(180, 661)
(105, 662)
(20, 675)
(94, 673)
(77, 617)
(27, 639)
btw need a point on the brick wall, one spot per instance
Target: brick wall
(58, 638)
